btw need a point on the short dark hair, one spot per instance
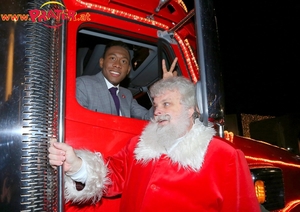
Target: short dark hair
(116, 43)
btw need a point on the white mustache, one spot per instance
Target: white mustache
(161, 118)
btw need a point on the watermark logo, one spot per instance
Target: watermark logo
(52, 18)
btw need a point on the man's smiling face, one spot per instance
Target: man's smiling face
(115, 64)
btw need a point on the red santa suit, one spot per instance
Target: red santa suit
(200, 173)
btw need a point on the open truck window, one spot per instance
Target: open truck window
(145, 62)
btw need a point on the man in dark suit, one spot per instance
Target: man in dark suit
(92, 92)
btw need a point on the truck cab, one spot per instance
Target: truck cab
(59, 41)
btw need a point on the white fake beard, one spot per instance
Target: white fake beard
(166, 135)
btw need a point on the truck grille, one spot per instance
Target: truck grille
(273, 181)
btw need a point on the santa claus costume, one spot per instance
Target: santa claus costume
(200, 172)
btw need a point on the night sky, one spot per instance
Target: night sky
(260, 56)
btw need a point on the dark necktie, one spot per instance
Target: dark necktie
(113, 92)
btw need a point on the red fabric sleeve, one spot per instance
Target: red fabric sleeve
(241, 194)
(118, 166)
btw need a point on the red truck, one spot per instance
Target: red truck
(47, 44)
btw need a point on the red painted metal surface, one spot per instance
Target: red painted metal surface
(262, 154)
(107, 133)
(102, 132)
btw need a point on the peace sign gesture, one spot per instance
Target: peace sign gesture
(171, 72)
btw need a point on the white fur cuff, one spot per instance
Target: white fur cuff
(96, 182)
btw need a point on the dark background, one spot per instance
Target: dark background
(259, 43)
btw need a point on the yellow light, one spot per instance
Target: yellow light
(228, 135)
(290, 205)
(122, 14)
(10, 65)
(260, 191)
(187, 56)
(274, 162)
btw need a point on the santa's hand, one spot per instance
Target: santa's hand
(171, 72)
(63, 154)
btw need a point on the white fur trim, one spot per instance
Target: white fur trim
(96, 182)
(189, 153)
